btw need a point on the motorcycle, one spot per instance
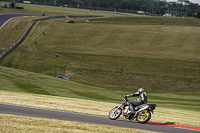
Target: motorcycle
(142, 112)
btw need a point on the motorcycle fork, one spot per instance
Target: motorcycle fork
(118, 108)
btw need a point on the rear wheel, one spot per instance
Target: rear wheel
(115, 113)
(144, 116)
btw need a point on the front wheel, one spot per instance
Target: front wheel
(143, 116)
(115, 113)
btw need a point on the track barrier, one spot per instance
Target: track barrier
(56, 17)
(19, 42)
(31, 26)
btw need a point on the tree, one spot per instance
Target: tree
(125, 5)
(161, 10)
(143, 8)
(198, 14)
(104, 4)
(151, 6)
(144, 5)
(181, 1)
(135, 7)
(163, 3)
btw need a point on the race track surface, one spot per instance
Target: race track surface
(5, 17)
(42, 113)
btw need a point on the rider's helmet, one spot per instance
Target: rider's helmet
(141, 90)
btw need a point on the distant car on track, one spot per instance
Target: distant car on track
(61, 77)
(70, 21)
(4, 5)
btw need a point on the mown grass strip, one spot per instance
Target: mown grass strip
(85, 56)
(97, 108)
(20, 81)
(35, 90)
(14, 124)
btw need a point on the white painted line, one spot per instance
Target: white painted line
(6, 22)
(27, 16)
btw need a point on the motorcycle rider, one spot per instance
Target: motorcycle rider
(142, 99)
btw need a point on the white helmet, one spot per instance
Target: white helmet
(141, 90)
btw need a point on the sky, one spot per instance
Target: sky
(193, 1)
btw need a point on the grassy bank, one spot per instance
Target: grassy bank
(35, 90)
(90, 107)
(150, 20)
(160, 58)
(14, 124)
(13, 31)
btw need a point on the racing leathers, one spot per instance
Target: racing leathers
(141, 99)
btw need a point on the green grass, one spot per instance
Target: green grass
(17, 28)
(150, 20)
(24, 88)
(20, 81)
(51, 10)
(159, 58)
(15, 124)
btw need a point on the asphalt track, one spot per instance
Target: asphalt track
(7, 16)
(50, 114)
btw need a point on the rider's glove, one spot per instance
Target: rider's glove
(126, 96)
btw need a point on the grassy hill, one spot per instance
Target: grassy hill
(150, 20)
(160, 58)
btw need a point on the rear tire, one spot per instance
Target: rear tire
(143, 116)
(115, 113)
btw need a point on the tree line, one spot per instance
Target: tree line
(150, 6)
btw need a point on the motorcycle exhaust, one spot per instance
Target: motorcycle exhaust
(142, 109)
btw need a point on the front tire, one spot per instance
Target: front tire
(143, 116)
(115, 113)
